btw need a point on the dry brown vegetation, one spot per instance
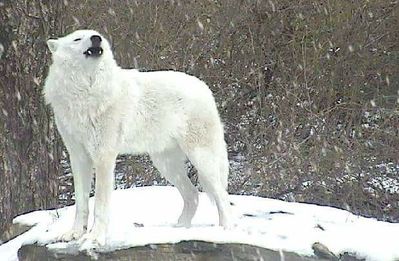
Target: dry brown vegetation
(308, 90)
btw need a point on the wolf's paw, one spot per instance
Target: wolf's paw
(72, 234)
(185, 219)
(227, 223)
(183, 223)
(92, 240)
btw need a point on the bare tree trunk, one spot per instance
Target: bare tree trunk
(29, 145)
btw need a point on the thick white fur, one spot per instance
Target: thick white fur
(102, 110)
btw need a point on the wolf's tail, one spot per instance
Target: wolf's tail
(224, 168)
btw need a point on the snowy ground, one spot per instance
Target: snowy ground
(146, 215)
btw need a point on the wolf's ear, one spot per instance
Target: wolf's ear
(52, 45)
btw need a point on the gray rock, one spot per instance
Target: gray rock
(322, 251)
(186, 250)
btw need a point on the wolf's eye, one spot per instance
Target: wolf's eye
(77, 39)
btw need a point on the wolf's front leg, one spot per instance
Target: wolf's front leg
(104, 169)
(82, 171)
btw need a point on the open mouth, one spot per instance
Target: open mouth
(94, 51)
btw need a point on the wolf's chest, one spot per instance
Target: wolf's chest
(71, 119)
(75, 119)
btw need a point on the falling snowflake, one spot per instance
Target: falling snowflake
(200, 25)
(1, 50)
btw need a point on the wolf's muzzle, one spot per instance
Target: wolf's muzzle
(95, 50)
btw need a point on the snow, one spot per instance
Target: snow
(147, 215)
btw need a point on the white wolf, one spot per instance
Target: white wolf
(102, 110)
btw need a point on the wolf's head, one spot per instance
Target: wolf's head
(80, 46)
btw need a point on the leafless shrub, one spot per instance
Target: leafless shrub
(308, 91)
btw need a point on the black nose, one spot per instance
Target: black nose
(96, 40)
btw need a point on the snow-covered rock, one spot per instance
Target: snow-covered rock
(142, 216)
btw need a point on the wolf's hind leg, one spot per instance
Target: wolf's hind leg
(208, 163)
(171, 164)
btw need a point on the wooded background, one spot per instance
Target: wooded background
(308, 93)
